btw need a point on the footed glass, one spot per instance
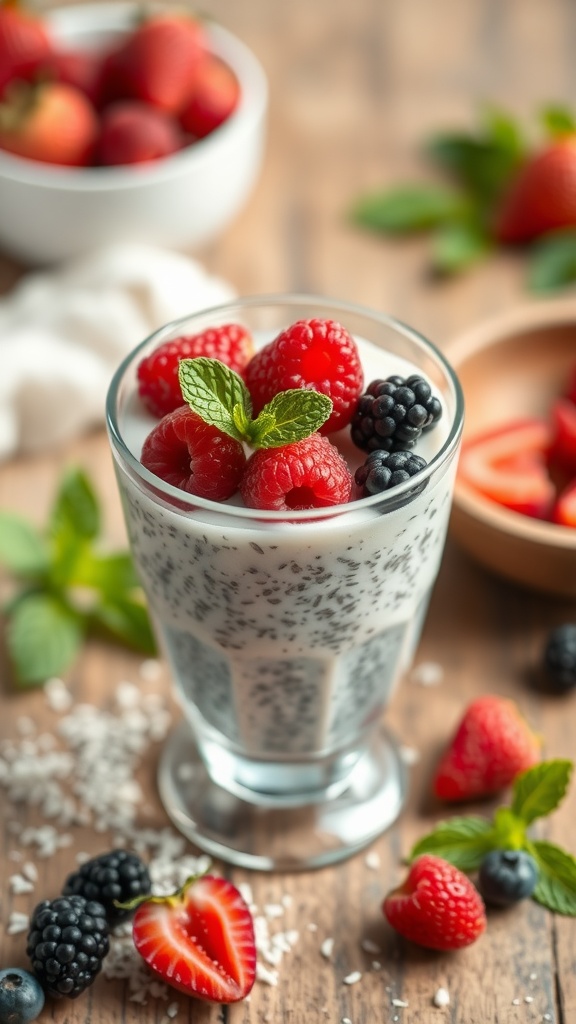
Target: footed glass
(286, 633)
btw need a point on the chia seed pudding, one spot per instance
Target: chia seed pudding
(286, 638)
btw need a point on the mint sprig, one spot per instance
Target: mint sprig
(220, 397)
(65, 587)
(465, 841)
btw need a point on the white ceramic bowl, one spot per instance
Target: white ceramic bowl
(50, 213)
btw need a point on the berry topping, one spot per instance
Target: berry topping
(392, 413)
(188, 453)
(158, 383)
(316, 354)
(200, 940)
(383, 470)
(307, 474)
(507, 876)
(67, 943)
(491, 746)
(115, 877)
(21, 996)
(560, 658)
(437, 906)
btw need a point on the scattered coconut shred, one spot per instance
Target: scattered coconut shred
(83, 774)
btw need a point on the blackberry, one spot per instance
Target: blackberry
(507, 876)
(392, 414)
(383, 470)
(67, 942)
(21, 996)
(560, 659)
(118, 875)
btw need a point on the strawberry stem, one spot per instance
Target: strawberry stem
(170, 898)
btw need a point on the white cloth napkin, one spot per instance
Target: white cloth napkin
(63, 333)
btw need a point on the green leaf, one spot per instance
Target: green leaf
(291, 416)
(540, 789)
(76, 509)
(556, 887)
(110, 574)
(457, 246)
(126, 620)
(552, 263)
(558, 121)
(408, 209)
(215, 392)
(483, 163)
(462, 841)
(509, 830)
(22, 550)
(44, 636)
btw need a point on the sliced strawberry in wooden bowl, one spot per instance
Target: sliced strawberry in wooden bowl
(517, 374)
(200, 940)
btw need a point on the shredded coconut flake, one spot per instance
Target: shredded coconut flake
(370, 947)
(353, 978)
(427, 673)
(327, 948)
(372, 860)
(17, 923)
(441, 997)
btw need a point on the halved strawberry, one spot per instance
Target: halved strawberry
(508, 465)
(199, 940)
(564, 511)
(563, 445)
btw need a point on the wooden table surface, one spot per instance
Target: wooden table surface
(355, 87)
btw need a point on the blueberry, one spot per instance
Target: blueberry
(21, 996)
(559, 659)
(507, 876)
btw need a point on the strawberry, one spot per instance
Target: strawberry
(84, 69)
(491, 745)
(305, 474)
(542, 197)
(562, 451)
(134, 133)
(50, 122)
(571, 389)
(564, 511)
(199, 940)
(190, 454)
(317, 354)
(158, 383)
(437, 906)
(157, 62)
(24, 44)
(213, 97)
(508, 465)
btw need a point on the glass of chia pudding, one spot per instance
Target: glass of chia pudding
(286, 630)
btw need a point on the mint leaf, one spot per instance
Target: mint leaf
(110, 574)
(22, 550)
(539, 790)
(408, 209)
(215, 392)
(75, 510)
(127, 620)
(558, 121)
(482, 163)
(509, 830)
(556, 887)
(462, 841)
(457, 246)
(44, 636)
(552, 262)
(291, 416)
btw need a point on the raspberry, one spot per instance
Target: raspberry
(67, 943)
(158, 384)
(306, 474)
(383, 470)
(507, 876)
(115, 877)
(437, 906)
(194, 456)
(392, 413)
(316, 354)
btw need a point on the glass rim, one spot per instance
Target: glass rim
(175, 496)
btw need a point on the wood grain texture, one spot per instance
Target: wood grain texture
(355, 88)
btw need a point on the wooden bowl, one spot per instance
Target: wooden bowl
(511, 367)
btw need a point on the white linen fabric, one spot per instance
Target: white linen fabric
(63, 332)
